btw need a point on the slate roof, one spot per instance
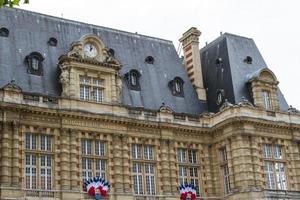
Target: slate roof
(29, 32)
(232, 74)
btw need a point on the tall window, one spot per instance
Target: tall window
(91, 88)
(267, 100)
(225, 170)
(274, 167)
(93, 158)
(38, 161)
(143, 169)
(188, 167)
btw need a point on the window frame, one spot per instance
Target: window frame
(91, 88)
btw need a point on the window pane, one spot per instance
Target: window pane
(181, 156)
(86, 147)
(267, 100)
(136, 151)
(277, 152)
(270, 183)
(192, 156)
(99, 148)
(148, 152)
(30, 171)
(267, 151)
(280, 176)
(223, 154)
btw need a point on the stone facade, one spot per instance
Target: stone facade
(241, 129)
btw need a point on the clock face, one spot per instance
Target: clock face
(90, 50)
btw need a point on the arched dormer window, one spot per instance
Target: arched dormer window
(34, 63)
(4, 32)
(176, 86)
(132, 79)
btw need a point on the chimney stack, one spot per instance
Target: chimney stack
(190, 44)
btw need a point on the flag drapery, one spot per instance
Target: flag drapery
(92, 184)
(187, 191)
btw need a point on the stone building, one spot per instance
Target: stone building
(79, 100)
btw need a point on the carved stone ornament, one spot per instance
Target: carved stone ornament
(225, 105)
(64, 79)
(293, 110)
(76, 50)
(165, 109)
(12, 86)
(245, 103)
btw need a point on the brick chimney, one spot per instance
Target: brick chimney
(190, 44)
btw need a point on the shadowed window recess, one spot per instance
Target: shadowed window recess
(149, 60)
(34, 63)
(4, 32)
(52, 42)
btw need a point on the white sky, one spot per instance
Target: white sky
(273, 24)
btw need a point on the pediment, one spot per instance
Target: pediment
(12, 86)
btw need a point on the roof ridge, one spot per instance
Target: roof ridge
(93, 25)
(221, 37)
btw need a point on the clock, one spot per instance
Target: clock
(90, 50)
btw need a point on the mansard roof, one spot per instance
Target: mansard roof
(30, 32)
(240, 59)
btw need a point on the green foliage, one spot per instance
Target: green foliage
(11, 3)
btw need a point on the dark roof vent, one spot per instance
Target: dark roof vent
(149, 60)
(219, 61)
(248, 60)
(52, 42)
(4, 32)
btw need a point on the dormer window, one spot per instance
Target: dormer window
(176, 86)
(132, 79)
(34, 62)
(4, 32)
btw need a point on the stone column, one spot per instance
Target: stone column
(64, 159)
(5, 155)
(73, 83)
(117, 160)
(165, 167)
(74, 161)
(126, 172)
(15, 156)
(242, 166)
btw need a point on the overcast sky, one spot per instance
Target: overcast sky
(273, 24)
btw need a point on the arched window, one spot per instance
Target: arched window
(176, 86)
(132, 79)
(52, 42)
(34, 63)
(4, 32)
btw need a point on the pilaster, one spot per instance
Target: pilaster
(6, 155)
(118, 162)
(165, 167)
(74, 160)
(15, 156)
(65, 159)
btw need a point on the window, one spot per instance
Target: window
(266, 100)
(34, 62)
(176, 86)
(38, 161)
(91, 89)
(52, 42)
(149, 60)
(132, 79)
(225, 170)
(94, 162)
(4, 32)
(274, 167)
(188, 168)
(143, 169)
